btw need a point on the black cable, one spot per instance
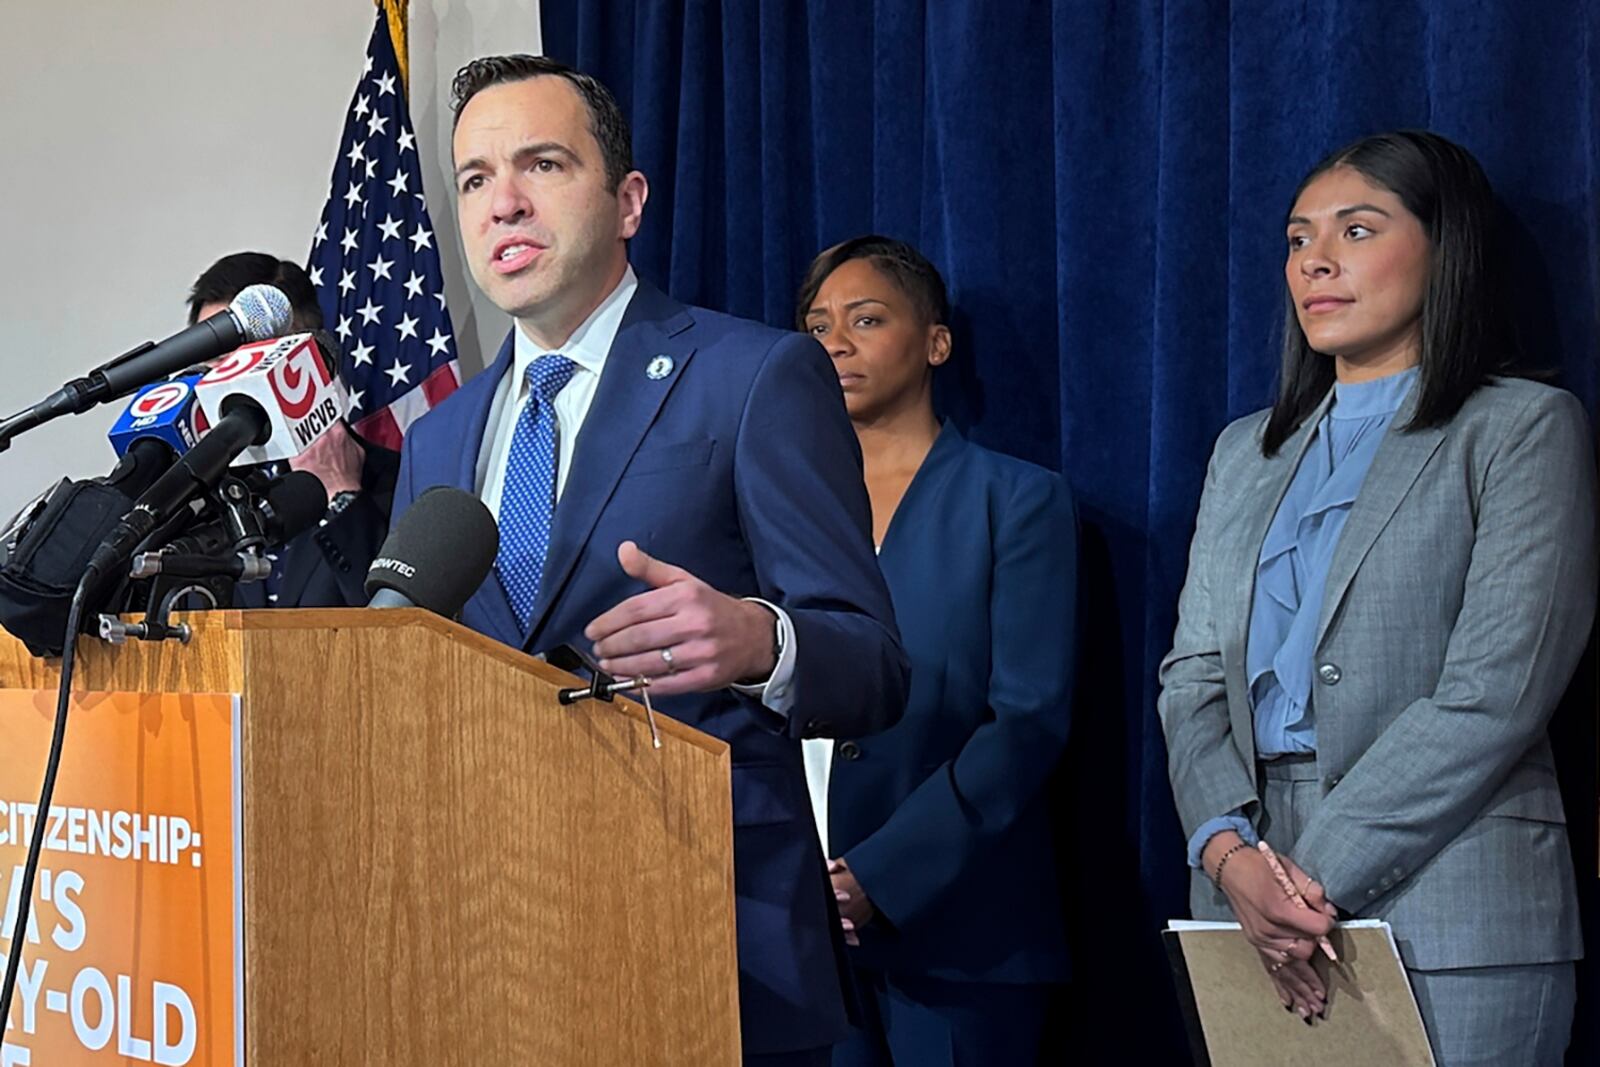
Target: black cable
(19, 936)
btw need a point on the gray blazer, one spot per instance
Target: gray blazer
(1458, 602)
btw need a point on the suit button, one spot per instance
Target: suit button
(1330, 673)
(849, 750)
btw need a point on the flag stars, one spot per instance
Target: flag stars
(370, 205)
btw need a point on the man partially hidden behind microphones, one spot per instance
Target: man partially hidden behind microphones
(678, 490)
(326, 565)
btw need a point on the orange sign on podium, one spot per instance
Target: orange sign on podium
(133, 949)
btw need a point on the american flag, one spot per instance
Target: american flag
(375, 261)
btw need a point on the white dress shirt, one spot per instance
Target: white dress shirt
(588, 347)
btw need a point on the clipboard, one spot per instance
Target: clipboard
(1236, 1020)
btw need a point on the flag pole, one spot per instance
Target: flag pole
(396, 11)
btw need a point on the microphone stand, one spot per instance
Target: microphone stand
(74, 398)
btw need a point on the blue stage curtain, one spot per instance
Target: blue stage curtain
(1104, 186)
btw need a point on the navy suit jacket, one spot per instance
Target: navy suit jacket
(741, 466)
(944, 818)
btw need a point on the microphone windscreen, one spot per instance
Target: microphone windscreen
(138, 468)
(263, 311)
(294, 504)
(439, 552)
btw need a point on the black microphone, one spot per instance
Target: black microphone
(270, 512)
(146, 460)
(257, 313)
(196, 471)
(291, 505)
(437, 555)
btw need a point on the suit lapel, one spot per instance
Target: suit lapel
(488, 611)
(1395, 469)
(624, 407)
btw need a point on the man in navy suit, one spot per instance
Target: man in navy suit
(680, 490)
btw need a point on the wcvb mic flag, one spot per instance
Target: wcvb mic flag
(288, 380)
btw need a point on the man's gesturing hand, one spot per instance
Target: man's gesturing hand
(681, 634)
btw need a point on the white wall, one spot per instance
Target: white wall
(140, 141)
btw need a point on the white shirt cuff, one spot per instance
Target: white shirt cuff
(777, 692)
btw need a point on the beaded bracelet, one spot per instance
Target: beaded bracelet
(1216, 876)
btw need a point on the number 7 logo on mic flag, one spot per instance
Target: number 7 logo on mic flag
(375, 262)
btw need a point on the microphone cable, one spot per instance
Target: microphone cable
(30, 870)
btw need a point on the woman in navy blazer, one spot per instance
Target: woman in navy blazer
(944, 867)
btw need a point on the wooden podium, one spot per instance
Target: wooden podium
(437, 862)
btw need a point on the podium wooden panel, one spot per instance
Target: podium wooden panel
(442, 865)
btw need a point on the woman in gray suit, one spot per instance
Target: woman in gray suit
(1392, 577)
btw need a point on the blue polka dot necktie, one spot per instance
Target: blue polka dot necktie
(528, 499)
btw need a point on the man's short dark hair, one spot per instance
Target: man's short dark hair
(228, 276)
(606, 124)
(909, 269)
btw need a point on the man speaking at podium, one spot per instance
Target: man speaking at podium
(677, 489)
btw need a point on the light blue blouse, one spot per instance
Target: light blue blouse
(1292, 573)
(1293, 569)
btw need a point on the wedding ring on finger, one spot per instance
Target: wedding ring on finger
(666, 657)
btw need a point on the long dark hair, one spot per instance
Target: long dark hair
(1467, 330)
